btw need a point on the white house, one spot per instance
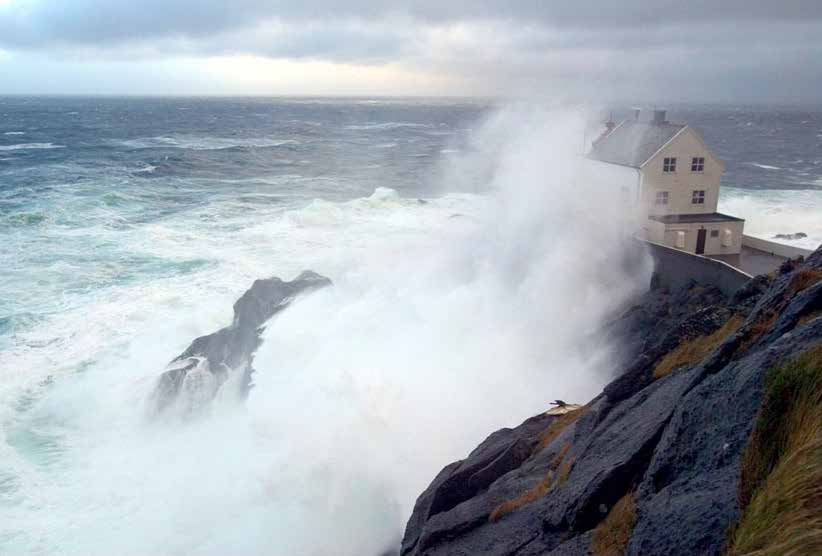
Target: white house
(669, 170)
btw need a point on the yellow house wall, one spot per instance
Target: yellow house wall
(681, 184)
(713, 245)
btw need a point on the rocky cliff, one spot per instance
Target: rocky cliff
(676, 455)
(194, 378)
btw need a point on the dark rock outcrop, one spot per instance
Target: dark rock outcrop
(194, 377)
(671, 443)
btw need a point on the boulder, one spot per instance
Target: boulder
(193, 378)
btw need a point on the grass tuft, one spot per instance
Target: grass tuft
(781, 483)
(696, 349)
(537, 492)
(611, 536)
(565, 470)
(804, 279)
(809, 317)
(556, 427)
(526, 497)
(757, 329)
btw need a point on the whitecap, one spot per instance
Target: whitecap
(30, 146)
(764, 166)
(204, 143)
(15, 133)
(384, 126)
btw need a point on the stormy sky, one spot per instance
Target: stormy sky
(642, 50)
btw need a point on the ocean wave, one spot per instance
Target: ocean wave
(385, 126)
(204, 143)
(764, 166)
(30, 146)
(25, 219)
(15, 133)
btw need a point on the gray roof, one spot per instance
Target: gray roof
(695, 218)
(632, 143)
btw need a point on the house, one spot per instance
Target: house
(671, 173)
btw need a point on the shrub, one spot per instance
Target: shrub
(611, 536)
(781, 483)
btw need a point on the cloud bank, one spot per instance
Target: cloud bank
(698, 50)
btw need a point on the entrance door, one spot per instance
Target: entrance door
(700, 241)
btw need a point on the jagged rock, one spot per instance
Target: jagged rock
(614, 455)
(194, 377)
(500, 453)
(797, 235)
(688, 497)
(675, 442)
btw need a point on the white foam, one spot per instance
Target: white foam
(437, 331)
(30, 146)
(204, 143)
(385, 126)
(764, 166)
(15, 133)
(768, 212)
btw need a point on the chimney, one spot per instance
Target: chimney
(659, 117)
(636, 112)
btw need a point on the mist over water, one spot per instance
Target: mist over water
(448, 319)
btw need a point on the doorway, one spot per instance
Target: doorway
(700, 241)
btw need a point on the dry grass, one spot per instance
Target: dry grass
(781, 483)
(526, 497)
(556, 427)
(757, 329)
(809, 317)
(611, 536)
(804, 279)
(564, 471)
(536, 492)
(557, 461)
(696, 349)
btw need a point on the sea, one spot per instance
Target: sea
(468, 265)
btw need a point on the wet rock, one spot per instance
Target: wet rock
(688, 497)
(675, 442)
(797, 235)
(193, 378)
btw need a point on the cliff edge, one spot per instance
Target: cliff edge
(709, 441)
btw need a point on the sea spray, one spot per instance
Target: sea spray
(447, 319)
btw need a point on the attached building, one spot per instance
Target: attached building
(672, 174)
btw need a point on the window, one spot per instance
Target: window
(661, 197)
(698, 198)
(698, 164)
(669, 165)
(714, 233)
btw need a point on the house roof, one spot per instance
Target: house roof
(695, 218)
(632, 143)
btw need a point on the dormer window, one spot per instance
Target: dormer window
(698, 197)
(698, 164)
(661, 198)
(669, 165)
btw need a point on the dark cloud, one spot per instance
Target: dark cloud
(699, 48)
(33, 23)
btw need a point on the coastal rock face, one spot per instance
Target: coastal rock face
(667, 435)
(193, 378)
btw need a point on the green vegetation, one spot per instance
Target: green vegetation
(781, 484)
